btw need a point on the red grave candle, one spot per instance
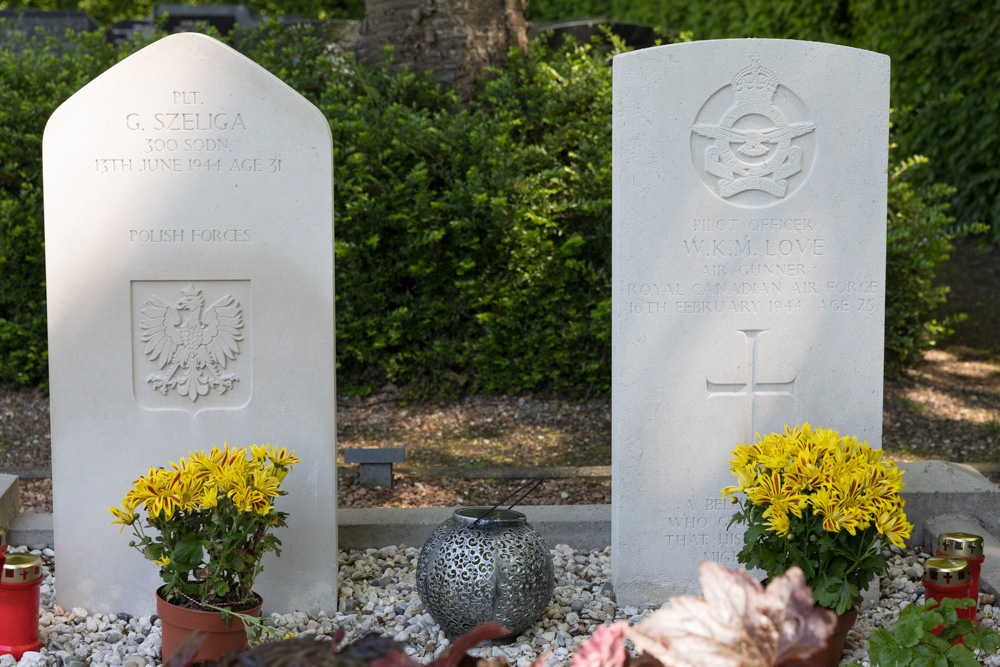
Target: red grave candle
(20, 580)
(970, 548)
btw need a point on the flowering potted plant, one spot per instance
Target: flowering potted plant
(213, 515)
(819, 501)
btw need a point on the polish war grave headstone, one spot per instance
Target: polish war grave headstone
(189, 249)
(749, 228)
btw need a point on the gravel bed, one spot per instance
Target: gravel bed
(378, 594)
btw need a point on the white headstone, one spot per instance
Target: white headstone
(187, 182)
(749, 266)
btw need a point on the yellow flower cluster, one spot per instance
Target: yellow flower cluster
(248, 480)
(814, 470)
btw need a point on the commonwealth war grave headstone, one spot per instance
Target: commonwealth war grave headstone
(189, 249)
(749, 266)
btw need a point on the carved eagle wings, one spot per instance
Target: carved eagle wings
(752, 141)
(192, 344)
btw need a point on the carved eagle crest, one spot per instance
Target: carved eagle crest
(192, 344)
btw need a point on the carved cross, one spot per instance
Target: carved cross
(752, 387)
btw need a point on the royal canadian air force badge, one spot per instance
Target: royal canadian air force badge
(753, 146)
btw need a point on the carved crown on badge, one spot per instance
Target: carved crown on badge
(755, 83)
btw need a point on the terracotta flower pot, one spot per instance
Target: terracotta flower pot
(831, 653)
(178, 622)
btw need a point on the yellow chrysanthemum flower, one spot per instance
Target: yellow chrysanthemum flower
(894, 526)
(743, 456)
(746, 477)
(187, 489)
(836, 517)
(805, 475)
(124, 515)
(209, 497)
(250, 500)
(777, 521)
(767, 489)
(281, 458)
(266, 483)
(230, 471)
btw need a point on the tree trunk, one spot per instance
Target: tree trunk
(453, 39)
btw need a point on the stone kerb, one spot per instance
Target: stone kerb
(9, 502)
(936, 488)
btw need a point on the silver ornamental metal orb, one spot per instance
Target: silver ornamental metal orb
(481, 566)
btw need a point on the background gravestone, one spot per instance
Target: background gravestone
(749, 265)
(224, 18)
(37, 24)
(188, 184)
(123, 32)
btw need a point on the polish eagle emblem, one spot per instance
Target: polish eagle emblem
(192, 344)
(752, 147)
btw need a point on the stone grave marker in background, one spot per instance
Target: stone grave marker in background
(749, 279)
(223, 18)
(188, 185)
(26, 23)
(123, 32)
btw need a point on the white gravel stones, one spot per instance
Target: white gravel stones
(378, 594)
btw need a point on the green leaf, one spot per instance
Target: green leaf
(909, 628)
(187, 553)
(753, 533)
(925, 656)
(940, 641)
(930, 619)
(983, 638)
(153, 551)
(884, 651)
(960, 656)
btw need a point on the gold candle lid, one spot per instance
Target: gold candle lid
(20, 568)
(964, 545)
(946, 571)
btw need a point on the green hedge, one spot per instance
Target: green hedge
(473, 244)
(33, 82)
(106, 11)
(472, 241)
(919, 237)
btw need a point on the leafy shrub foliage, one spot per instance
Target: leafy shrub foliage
(473, 243)
(472, 240)
(36, 76)
(106, 11)
(920, 235)
(930, 635)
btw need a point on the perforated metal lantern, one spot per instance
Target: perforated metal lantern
(481, 566)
